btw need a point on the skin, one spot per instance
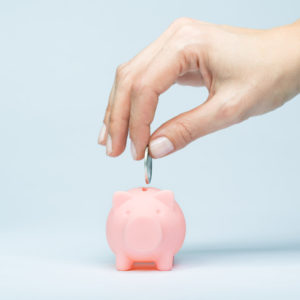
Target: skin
(247, 73)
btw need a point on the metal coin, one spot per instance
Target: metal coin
(148, 166)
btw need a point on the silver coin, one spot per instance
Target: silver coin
(148, 166)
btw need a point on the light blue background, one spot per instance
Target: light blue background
(238, 188)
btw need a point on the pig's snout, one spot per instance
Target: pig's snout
(143, 234)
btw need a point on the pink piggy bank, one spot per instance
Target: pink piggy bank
(145, 225)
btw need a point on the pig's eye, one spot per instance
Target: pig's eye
(158, 211)
(127, 212)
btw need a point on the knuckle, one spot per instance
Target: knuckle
(232, 112)
(117, 123)
(227, 110)
(185, 31)
(107, 114)
(185, 27)
(138, 86)
(184, 132)
(193, 33)
(133, 129)
(182, 21)
(121, 71)
(112, 121)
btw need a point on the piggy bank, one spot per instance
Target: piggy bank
(145, 225)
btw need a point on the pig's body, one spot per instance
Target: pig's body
(145, 225)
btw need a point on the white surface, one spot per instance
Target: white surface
(64, 266)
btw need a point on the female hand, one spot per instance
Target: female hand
(247, 72)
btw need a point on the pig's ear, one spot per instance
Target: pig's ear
(119, 198)
(167, 197)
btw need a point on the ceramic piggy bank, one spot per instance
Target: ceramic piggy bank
(145, 225)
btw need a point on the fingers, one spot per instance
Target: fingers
(119, 105)
(118, 119)
(103, 131)
(134, 96)
(143, 106)
(216, 113)
(160, 75)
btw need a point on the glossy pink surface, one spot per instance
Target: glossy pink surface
(145, 225)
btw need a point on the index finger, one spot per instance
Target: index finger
(159, 76)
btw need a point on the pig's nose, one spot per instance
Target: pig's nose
(143, 233)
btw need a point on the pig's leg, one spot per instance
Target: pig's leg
(123, 263)
(165, 262)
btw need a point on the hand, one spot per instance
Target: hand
(247, 73)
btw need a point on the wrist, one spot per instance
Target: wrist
(287, 46)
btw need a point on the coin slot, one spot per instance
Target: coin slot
(144, 189)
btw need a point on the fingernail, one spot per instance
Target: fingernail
(108, 145)
(133, 150)
(102, 133)
(161, 147)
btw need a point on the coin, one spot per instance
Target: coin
(147, 166)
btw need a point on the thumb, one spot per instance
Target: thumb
(212, 115)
